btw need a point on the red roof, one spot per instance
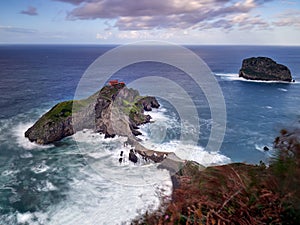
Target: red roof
(115, 82)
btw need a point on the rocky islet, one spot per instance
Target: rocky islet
(264, 68)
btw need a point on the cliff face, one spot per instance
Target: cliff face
(263, 68)
(114, 110)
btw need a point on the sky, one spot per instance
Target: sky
(201, 22)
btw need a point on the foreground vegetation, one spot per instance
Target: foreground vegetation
(237, 193)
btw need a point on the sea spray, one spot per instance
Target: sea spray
(235, 77)
(182, 149)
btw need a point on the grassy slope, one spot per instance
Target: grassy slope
(64, 109)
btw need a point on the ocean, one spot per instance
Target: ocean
(61, 184)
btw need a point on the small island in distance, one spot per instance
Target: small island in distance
(266, 69)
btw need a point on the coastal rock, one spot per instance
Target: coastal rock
(54, 125)
(148, 103)
(114, 110)
(263, 68)
(173, 164)
(132, 157)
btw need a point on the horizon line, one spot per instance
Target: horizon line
(118, 44)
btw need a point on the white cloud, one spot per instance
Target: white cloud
(157, 14)
(17, 29)
(104, 35)
(290, 18)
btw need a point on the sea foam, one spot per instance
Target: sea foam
(19, 133)
(182, 148)
(94, 200)
(235, 77)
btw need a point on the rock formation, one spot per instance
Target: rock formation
(52, 126)
(114, 110)
(263, 68)
(132, 157)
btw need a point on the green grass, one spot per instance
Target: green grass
(65, 109)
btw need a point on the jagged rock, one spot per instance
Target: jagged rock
(109, 135)
(132, 157)
(136, 132)
(52, 126)
(171, 163)
(148, 103)
(263, 68)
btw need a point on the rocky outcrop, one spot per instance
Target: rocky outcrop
(132, 157)
(114, 110)
(263, 68)
(148, 103)
(54, 125)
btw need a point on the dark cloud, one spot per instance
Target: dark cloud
(31, 11)
(161, 14)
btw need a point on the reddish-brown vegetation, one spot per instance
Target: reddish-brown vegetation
(237, 193)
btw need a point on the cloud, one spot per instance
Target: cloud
(242, 21)
(104, 35)
(157, 14)
(31, 11)
(17, 30)
(288, 19)
(289, 2)
(142, 34)
(74, 2)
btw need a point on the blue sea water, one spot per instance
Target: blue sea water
(56, 185)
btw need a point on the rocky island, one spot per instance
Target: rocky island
(266, 69)
(114, 110)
